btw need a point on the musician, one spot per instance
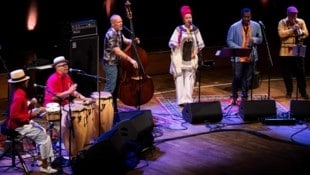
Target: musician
(20, 119)
(185, 43)
(114, 42)
(244, 33)
(60, 87)
(292, 32)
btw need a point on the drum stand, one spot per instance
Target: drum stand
(59, 161)
(50, 129)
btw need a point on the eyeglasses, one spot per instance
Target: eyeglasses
(62, 65)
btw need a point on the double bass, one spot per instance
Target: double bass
(136, 87)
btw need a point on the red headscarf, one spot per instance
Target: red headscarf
(185, 9)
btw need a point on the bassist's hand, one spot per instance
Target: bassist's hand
(134, 63)
(137, 40)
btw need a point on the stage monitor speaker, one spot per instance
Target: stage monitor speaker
(117, 150)
(257, 109)
(136, 125)
(300, 109)
(84, 55)
(102, 155)
(202, 112)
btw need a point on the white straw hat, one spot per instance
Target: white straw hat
(59, 59)
(18, 76)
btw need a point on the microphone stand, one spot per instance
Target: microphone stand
(99, 79)
(201, 65)
(300, 54)
(60, 158)
(269, 57)
(71, 128)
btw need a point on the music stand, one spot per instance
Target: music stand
(299, 50)
(227, 52)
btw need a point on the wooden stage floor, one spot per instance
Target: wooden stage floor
(196, 151)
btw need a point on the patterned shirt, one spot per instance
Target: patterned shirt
(112, 39)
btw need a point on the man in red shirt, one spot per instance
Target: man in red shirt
(20, 119)
(59, 86)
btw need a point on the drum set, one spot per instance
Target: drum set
(82, 121)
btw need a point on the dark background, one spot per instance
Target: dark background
(153, 21)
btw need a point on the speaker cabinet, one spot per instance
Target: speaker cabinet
(202, 112)
(300, 109)
(102, 155)
(84, 55)
(256, 110)
(117, 150)
(136, 125)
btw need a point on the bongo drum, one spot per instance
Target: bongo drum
(89, 113)
(74, 127)
(52, 112)
(104, 112)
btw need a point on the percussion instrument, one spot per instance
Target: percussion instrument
(104, 112)
(90, 113)
(74, 127)
(52, 112)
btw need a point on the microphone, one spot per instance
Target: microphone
(128, 30)
(262, 24)
(191, 23)
(39, 86)
(75, 70)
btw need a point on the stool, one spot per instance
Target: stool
(13, 138)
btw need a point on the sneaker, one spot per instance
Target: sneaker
(48, 170)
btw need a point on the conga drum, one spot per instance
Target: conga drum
(104, 112)
(52, 112)
(89, 113)
(74, 127)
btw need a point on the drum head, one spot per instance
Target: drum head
(52, 105)
(52, 109)
(82, 102)
(102, 94)
(74, 107)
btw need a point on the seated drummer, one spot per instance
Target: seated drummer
(60, 87)
(20, 119)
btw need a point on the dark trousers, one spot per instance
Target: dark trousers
(242, 75)
(293, 66)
